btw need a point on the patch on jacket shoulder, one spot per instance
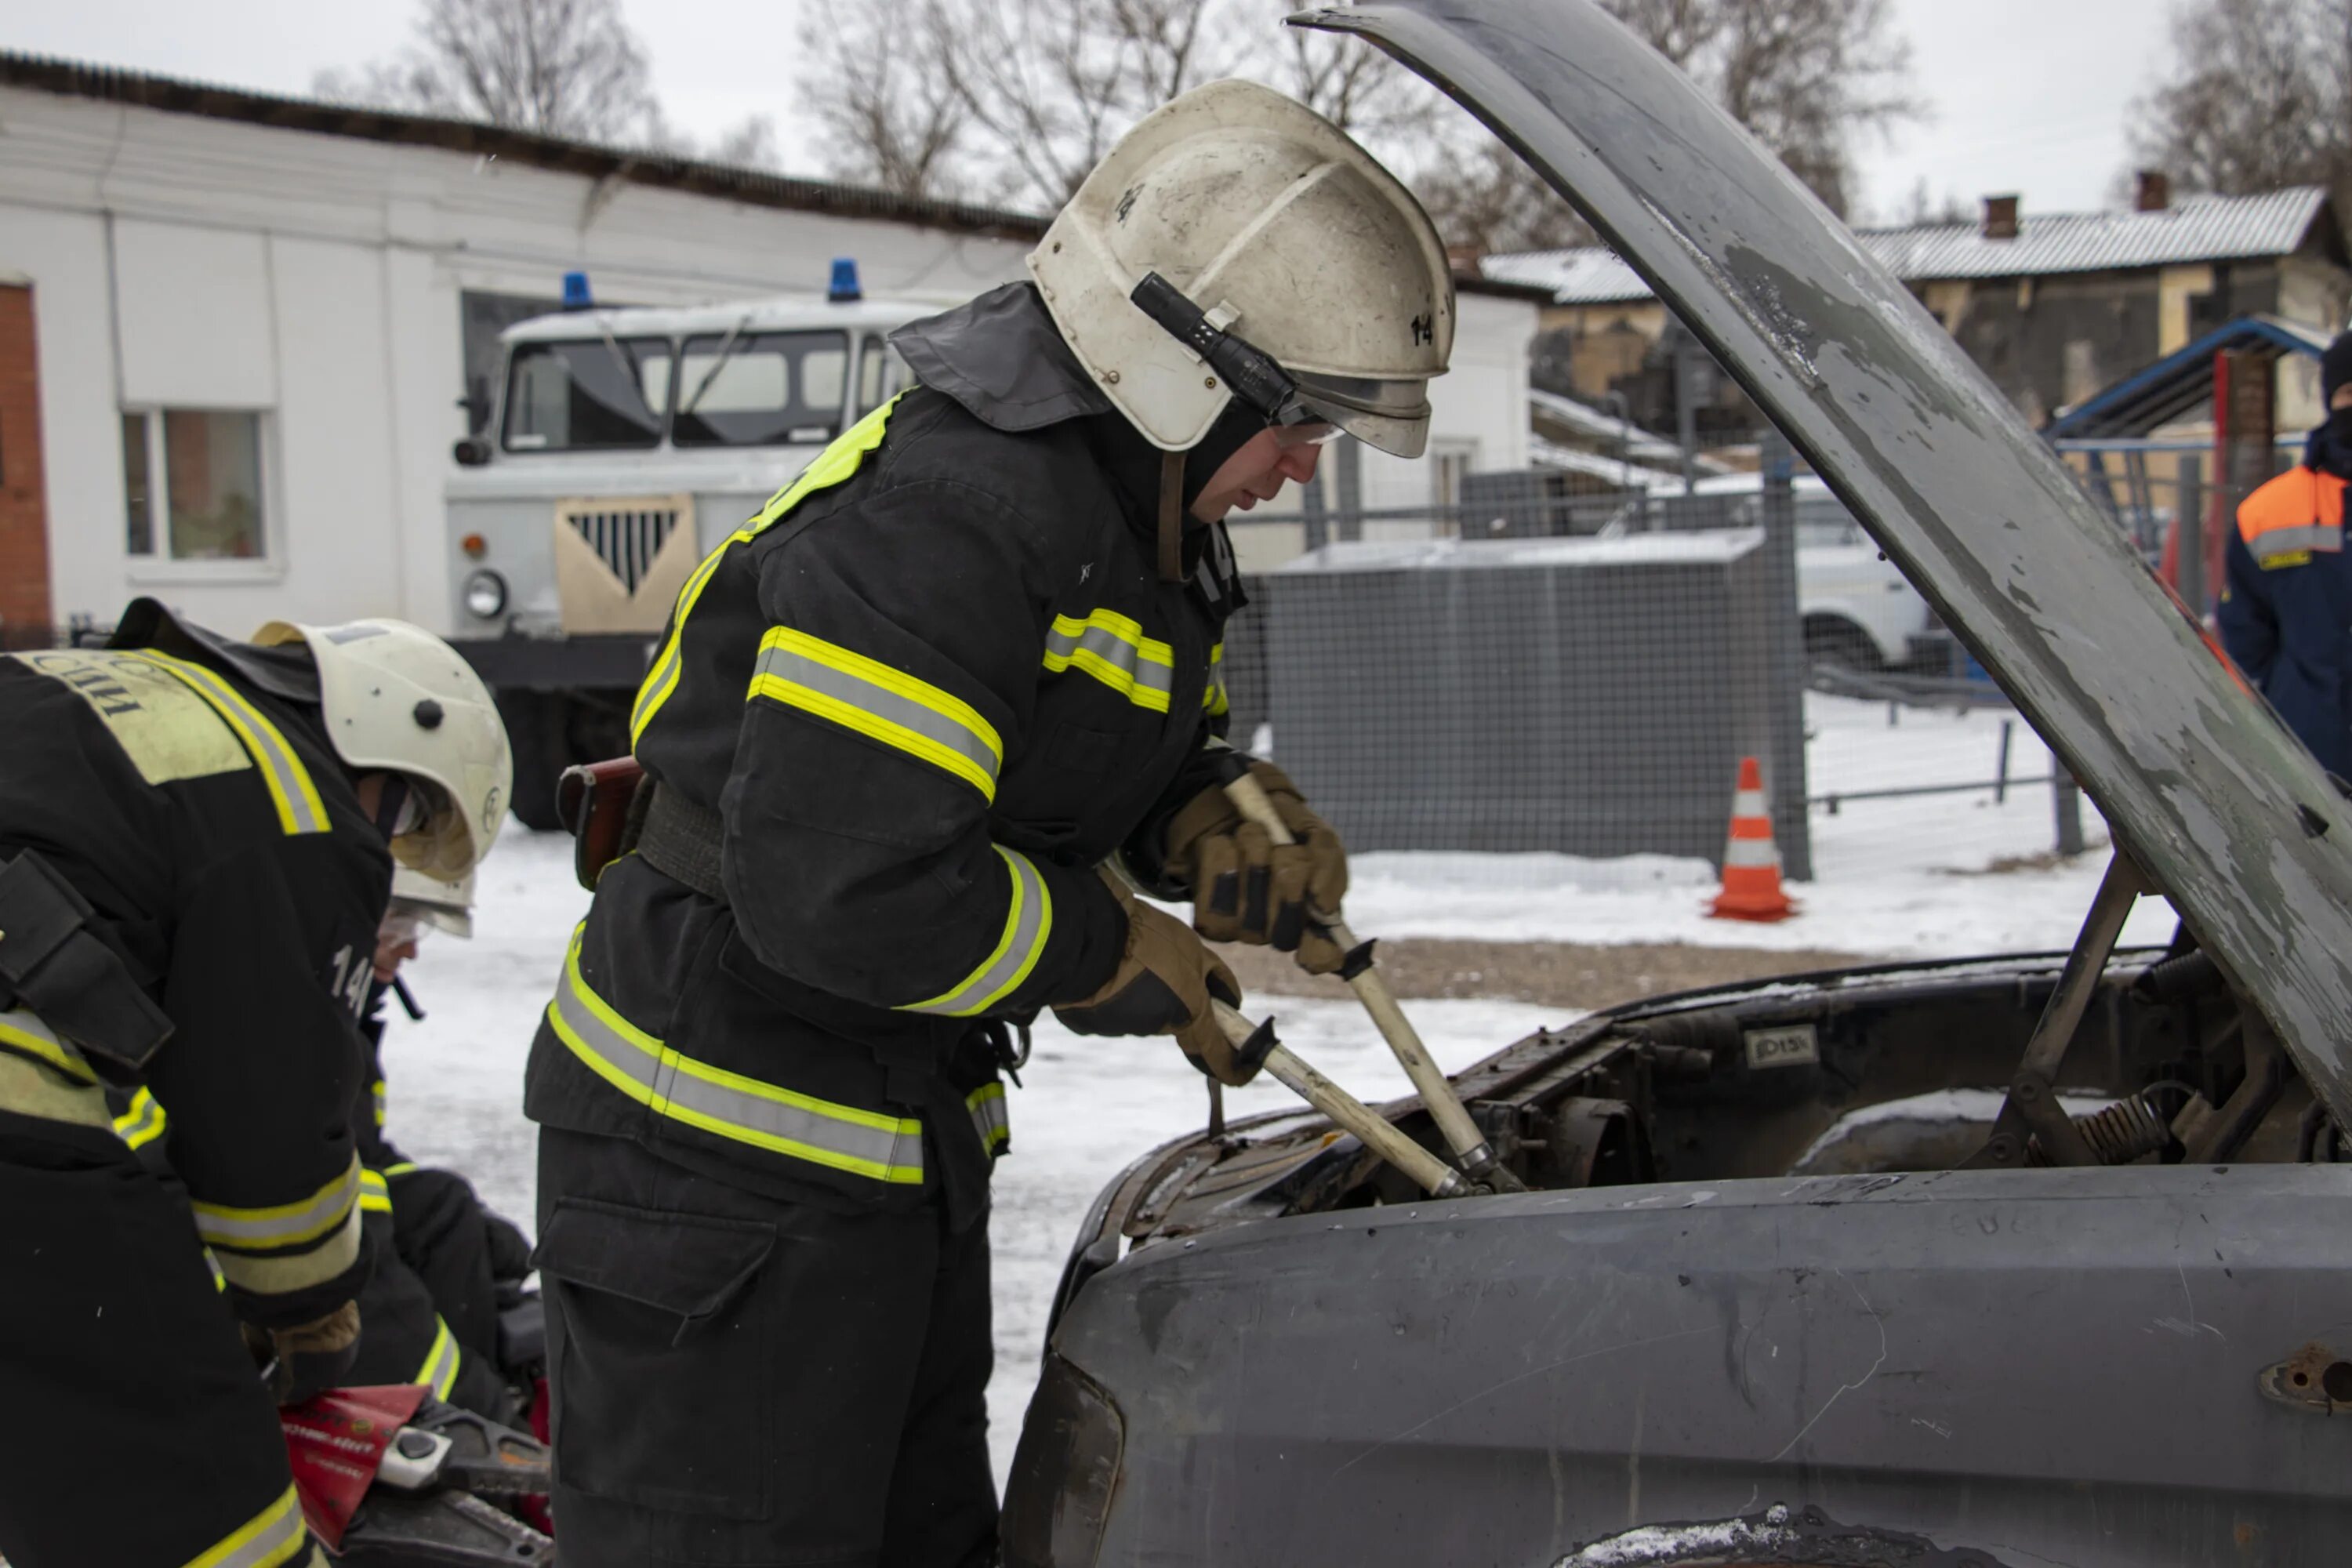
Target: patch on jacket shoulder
(2288, 558)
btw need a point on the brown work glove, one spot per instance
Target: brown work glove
(308, 1357)
(1247, 888)
(1163, 986)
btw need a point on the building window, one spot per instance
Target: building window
(192, 484)
(1449, 464)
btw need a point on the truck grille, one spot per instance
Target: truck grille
(626, 538)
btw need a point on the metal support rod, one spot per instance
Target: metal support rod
(1471, 1152)
(1347, 1113)
(2000, 773)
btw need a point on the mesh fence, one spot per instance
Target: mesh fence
(1576, 678)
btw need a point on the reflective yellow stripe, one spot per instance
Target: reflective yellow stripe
(220, 1279)
(400, 1169)
(375, 1192)
(1214, 697)
(283, 1225)
(989, 1117)
(1028, 920)
(888, 705)
(834, 464)
(299, 810)
(21, 1031)
(283, 1273)
(439, 1372)
(841, 1137)
(375, 1095)
(1112, 649)
(275, 1535)
(143, 1124)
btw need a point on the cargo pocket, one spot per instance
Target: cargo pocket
(661, 1356)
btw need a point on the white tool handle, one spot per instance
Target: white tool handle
(1347, 1113)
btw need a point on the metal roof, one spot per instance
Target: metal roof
(755, 187)
(2193, 229)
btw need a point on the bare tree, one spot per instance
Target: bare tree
(563, 67)
(1483, 198)
(2260, 96)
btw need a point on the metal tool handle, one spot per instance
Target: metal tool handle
(1347, 1113)
(1471, 1151)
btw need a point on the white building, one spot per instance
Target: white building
(255, 322)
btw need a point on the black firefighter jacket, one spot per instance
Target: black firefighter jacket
(184, 795)
(927, 689)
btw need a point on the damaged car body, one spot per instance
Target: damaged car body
(1999, 1262)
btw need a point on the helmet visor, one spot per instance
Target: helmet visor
(1392, 416)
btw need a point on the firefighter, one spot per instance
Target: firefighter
(193, 839)
(430, 1313)
(2287, 603)
(894, 724)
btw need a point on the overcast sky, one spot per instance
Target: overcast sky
(2027, 96)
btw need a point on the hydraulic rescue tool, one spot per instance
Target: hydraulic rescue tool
(1471, 1152)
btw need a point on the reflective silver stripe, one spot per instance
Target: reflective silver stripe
(283, 1273)
(863, 1142)
(874, 699)
(286, 1225)
(299, 809)
(1114, 650)
(988, 1116)
(1750, 853)
(375, 1192)
(439, 1372)
(2277, 542)
(1028, 920)
(275, 1535)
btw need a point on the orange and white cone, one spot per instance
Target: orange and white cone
(1751, 861)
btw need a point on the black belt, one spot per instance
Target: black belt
(682, 841)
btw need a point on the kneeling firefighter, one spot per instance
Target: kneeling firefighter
(898, 719)
(193, 839)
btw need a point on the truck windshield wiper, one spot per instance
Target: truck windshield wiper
(725, 352)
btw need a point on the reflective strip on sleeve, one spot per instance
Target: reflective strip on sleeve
(275, 1535)
(881, 704)
(1113, 649)
(1028, 921)
(375, 1192)
(2271, 544)
(143, 1124)
(22, 1031)
(439, 1372)
(375, 1099)
(1214, 700)
(833, 465)
(989, 1118)
(299, 810)
(841, 1137)
(220, 1277)
(286, 1224)
(283, 1273)
(400, 1169)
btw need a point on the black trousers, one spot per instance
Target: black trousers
(405, 1339)
(744, 1380)
(137, 1432)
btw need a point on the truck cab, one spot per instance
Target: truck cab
(624, 444)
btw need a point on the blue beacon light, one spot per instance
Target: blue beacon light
(575, 292)
(844, 288)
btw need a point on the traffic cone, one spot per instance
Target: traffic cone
(1751, 862)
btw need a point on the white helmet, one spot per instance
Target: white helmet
(1268, 224)
(445, 905)
(398, 698)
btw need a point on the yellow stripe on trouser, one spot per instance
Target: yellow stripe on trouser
(299, 809)
(1112, 649)
(835, 463)
(888, 705)
(275, 1535)
(841, 1137)
(439, 1372)
(1028, 921)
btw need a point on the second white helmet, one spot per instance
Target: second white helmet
(1277, 227)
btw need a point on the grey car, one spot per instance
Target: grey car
(2002, 1263)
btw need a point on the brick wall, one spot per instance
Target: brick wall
(24, 509)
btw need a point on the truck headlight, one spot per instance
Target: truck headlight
(486, 594)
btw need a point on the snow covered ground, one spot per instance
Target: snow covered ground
(1896, 878)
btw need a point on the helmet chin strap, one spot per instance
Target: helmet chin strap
(1171, 517)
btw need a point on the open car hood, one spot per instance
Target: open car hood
(2212, 797)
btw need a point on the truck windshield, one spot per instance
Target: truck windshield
(594, 395)
(761, 389)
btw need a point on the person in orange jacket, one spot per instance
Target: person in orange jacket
(2286, 602)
